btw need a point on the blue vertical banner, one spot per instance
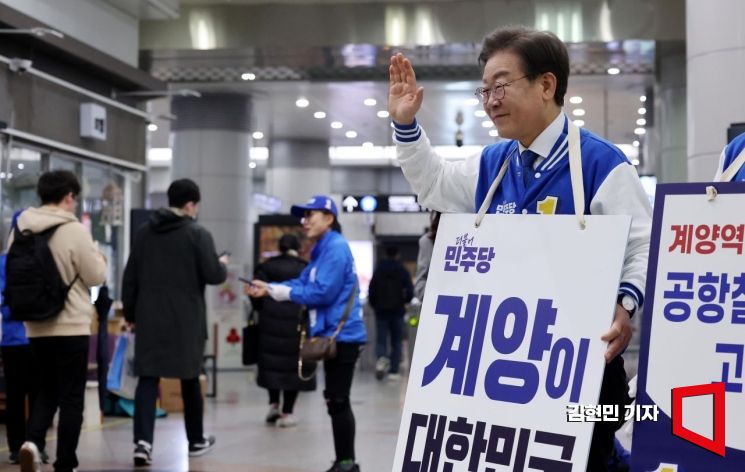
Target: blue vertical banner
(509, 346)
(693, 332)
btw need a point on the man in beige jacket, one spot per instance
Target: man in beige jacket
(60, 344)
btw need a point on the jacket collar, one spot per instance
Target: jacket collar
(322, 242)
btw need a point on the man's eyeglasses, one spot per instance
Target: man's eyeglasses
(497, 92)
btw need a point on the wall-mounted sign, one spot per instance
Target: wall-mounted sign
(381, 204)
(93, 121)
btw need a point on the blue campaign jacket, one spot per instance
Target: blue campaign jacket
(611, 185)
(14, 333)
(552, 181)
(730, 153)
(325, 286)
(550, 192)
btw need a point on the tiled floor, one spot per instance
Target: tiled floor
(244, 442)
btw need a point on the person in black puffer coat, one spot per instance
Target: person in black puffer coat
(279, 339)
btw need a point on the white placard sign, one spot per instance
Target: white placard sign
(692, 354)
(509, 336)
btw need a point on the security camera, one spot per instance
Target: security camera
(19, 65)
(459, 138)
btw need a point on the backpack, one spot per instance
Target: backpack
(389, 291)
(34, 289)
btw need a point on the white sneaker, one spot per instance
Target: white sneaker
(143, 454)
(286, 421)
(273, 415)
(29, 457)
(202, 447)
(394, 376)
(381, 367)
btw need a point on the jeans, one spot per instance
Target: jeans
(339, 372)
(385, 325)
(63, 366)
(145, 398)
(289, 396)
(22, 380)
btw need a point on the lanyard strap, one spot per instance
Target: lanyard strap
(575, 171)
(733, 168)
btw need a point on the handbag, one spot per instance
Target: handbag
(250, 352)
(121, 379)
(320, 348)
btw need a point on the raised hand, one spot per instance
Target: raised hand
(404, 97)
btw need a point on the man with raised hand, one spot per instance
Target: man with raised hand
(525, 75)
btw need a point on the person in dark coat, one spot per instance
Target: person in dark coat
(279, 340)
(389, 291)
(172, 260)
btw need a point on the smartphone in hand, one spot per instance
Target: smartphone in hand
(246, 281)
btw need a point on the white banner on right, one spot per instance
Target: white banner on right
(693, 332)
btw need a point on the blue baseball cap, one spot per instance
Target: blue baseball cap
(317, 202)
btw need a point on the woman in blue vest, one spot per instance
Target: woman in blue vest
(325, 286)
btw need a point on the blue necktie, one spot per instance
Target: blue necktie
(528, 157)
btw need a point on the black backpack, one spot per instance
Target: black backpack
(34, 289)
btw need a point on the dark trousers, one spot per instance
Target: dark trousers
(614, 391)
(63, 365)
(146, 396)
(339, 373)
(21, 381)
(289, 396)
(385, 325)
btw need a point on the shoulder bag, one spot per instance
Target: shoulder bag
(319, 348)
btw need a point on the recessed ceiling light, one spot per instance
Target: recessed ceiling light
(351, 134)
(21, 166)
(575, 100)
(578, 112)
(302, 102)
(493, 133)
(472, 102)
(487, 124)
(252, 165)
(643, 98)
(336, 124)
(383, 114)
(258, 135)
(319, 114)
(248, 76)
(641, 122)
(479, 113)
(579, 123)
(640, 131)
(370, 102)
(152, 127)
(642, 110)
(367, 144)
(635, 143)
(614, 70)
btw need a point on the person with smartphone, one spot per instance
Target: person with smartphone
(326, 286)
(172, 260)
